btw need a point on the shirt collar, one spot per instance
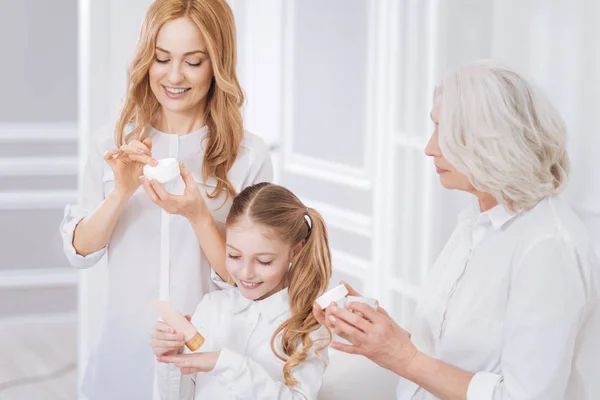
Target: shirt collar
(498, 216)
(271, 307)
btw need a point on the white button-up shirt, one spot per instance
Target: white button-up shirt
(247, 368)
(122, 364)
(515, 300)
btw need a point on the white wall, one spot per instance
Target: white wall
(343, 89)
(38, 148)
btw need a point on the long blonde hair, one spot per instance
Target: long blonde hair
(223, 116)
(276, 208)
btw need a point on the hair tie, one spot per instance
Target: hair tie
(308, 221)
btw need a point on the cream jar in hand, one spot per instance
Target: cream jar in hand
(166, 173)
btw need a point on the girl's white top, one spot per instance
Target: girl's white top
(514, 299)
(247, 368)
(122, 364)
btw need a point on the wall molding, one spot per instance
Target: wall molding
(36, 200)
(38, 166)
(38, 278)
(343, 219)
(38, 132)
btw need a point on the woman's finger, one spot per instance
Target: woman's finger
(140, 146)
(159, 190)
(347, 331)
(149, 190)
(319, 314)
(351, 318)
(187, 177)
(351, 291)
(367, 312)
(346, 348)
(110, 155)
(144, 159)
(148, 143)
(130, 149)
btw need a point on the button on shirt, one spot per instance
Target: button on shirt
(514, 299)
(122, 364)
(247, 368)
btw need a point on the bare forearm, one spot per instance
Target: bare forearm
(212, 242)
(443, 380)
(94, 231)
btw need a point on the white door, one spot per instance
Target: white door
(346, 97)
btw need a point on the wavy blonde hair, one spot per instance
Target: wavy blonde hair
(503, 133)
(276, 208)
(223, 116)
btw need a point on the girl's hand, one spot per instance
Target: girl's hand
(165, 341)
(192, 363)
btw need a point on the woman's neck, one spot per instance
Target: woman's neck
(486, 201)
(179, 123)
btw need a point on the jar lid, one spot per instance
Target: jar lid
(335, 294)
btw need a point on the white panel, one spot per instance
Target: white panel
(326, 50)
(337, 192)
(39, 68)
(34, 241)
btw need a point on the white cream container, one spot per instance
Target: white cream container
(337, 294)
(365, 300)
(166, 170)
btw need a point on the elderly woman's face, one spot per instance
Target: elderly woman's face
(450, 178)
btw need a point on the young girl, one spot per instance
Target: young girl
(183, 102)
(262, 340)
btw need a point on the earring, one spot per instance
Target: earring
(289, 266)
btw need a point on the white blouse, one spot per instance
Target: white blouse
(122, 364)
(247, 368)
(514, 299)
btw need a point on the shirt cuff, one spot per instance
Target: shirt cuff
(229, 365)
(483, 385)
(67, 230)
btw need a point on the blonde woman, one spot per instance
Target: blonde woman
(511, 308)
(262, 340)
(183, 101)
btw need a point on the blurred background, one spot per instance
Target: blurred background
(340, 89)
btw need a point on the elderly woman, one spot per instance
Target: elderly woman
(511, 308)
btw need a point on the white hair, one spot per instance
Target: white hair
(503, 133)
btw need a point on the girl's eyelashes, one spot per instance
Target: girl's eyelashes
(265, 263)
(233, 257)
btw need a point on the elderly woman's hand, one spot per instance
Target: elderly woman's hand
(320, 314)
(373, 334)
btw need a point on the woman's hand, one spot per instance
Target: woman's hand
(320, 314)
(373, 334)
(128, 163)
(194, 362)
(165, 341)
(190, 205)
